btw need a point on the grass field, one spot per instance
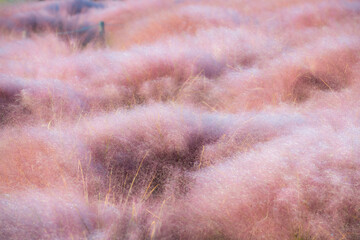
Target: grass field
(184, 119)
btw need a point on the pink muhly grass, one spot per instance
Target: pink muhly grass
(192, 120)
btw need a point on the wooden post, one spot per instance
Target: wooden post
(102, 32)
(25, 34)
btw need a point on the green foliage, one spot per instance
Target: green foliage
(12, 1)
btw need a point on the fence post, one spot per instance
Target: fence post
(25, 34)
(102, 33)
